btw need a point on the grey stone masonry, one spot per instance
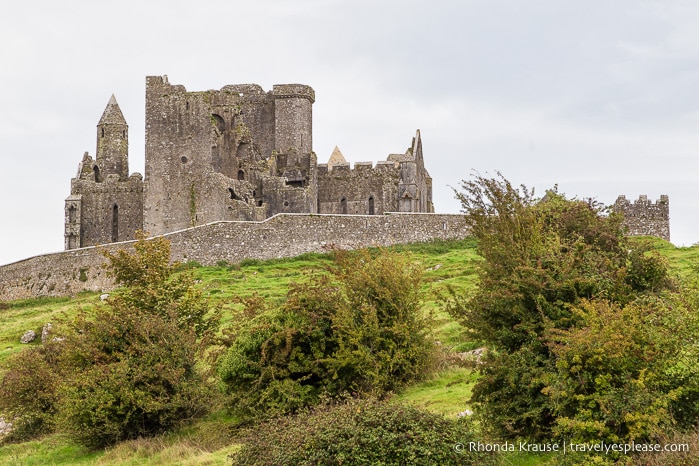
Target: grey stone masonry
(239, 153)
(284, 235)
(645, 218)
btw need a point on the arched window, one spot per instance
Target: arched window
(343, 205)
(96, 170)
(218, 123)
(241, 175)
(115, 223)
(371, 205)
(71, 214)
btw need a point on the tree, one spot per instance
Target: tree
(542, 258)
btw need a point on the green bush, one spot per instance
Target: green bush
(126, 370)
(358, 329)
(626, 373)
(361, 433)
(28, 391)
(543, 258)
(131, 374)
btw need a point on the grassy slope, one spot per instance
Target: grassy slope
(206, 443)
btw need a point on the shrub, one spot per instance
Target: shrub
(28, 391)
(626, 373)
(359, 432)
(132, 374)
(357, 329)
(151, 285)
(542, 259)
(125, 371)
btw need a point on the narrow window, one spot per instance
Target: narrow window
(96, 169)
(343, 206)
(241, 175)
(115, 223)
(371, 205)
(102, 132)
(71, 214)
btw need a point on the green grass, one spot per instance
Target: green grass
(447, 392)
(209, 441)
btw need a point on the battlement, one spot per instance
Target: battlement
(643, 217)
(285, 91)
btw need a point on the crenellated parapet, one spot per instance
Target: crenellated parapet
(643, 217)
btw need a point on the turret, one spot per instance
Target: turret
(112, 143)
(293, 119)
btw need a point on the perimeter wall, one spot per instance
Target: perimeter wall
(283, 235)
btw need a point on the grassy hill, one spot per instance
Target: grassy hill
(209, 440)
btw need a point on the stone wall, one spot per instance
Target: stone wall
(343, 190)
(645, 218)
(284, 235)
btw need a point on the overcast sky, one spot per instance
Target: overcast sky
(597, 96)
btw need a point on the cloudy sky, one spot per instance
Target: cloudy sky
(597, 96)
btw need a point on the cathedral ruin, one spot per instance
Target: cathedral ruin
(238, 153)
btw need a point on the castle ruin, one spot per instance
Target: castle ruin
(645, 218)
(238, 153)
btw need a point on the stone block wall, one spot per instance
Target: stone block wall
(645, 218)
(284, 235)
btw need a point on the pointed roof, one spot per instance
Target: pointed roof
(112, 114)
(336, 158)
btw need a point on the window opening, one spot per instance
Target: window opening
(115, 223)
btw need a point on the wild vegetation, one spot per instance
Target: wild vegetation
(360, 357)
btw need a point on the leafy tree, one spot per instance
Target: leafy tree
(151, 285)
(626, 373)
(542, 258)
(357, 329)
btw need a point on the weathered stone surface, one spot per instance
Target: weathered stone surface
(28, 337)
(238, 153)
(46, 331)
(284, 235)
(645, 218)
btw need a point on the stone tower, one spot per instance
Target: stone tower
(105, 203)
(234, 154)
(238, 153)
(113, 142)
(644, 217)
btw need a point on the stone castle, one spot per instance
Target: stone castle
(231, 174)
(238, 153)
(645, 218)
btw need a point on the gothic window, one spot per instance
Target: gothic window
(343, 206)
(115, 223)
(371, 205)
